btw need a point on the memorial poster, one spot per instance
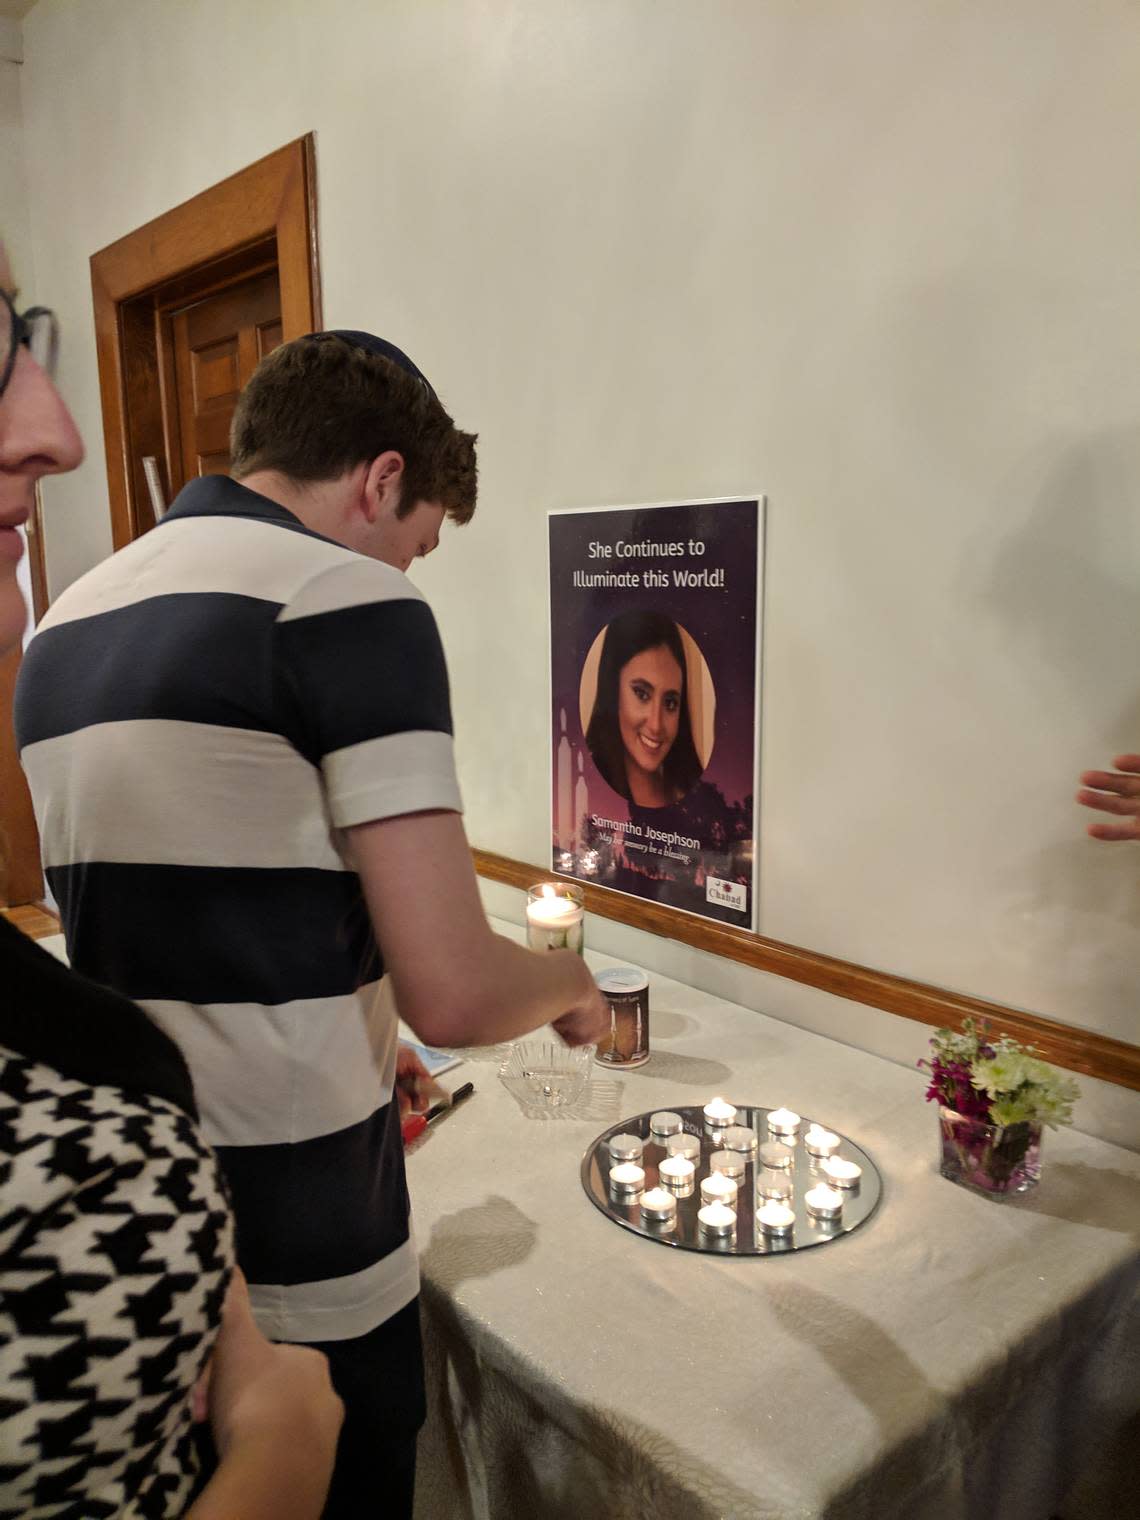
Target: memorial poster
(655, 650)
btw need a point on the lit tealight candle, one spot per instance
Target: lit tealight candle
(677, 1172)
(688, 1146)
(774, 1185)
(665, 1123)
(731, 1163)
(782, 1121)
(775, 1218)
(738, 1138)
(659, 1205)
(773, 1154)
(627, 1177)
(626, 1147)
(717, 1220)
(824, 1202)
(841, 1172)
(821, 1142)
(717, 1187)
(719, 1114)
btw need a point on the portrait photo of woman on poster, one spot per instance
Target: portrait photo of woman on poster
(640, 730)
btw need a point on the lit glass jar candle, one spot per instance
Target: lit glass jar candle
(555, 917)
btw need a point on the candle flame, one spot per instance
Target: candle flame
(548, 890)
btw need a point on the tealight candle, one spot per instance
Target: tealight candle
(731, 1163)
(774, 1185)
(555, 917)
(719, 1114)
(773, 1154)
(659, 1205)
(717, 1220)
(821, 1142)
(718, 1187)
(688, 1146)
(627, 1177)
(841, 1172)
(782, 1121)
(739, 1138)
(775, 1218)
(824, 1202)
(665, 1123)
(626, 1147)
(677, 1172)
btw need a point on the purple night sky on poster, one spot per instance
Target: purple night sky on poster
(654, 651)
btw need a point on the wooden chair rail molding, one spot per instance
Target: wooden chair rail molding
(1081, 1050)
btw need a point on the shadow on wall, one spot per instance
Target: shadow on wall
(1073, 619)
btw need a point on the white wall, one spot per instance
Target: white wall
(878, 260)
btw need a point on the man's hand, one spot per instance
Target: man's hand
(1116, 792)
(416, 1088)
(589, 1019)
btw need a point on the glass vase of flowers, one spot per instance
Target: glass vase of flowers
(995, 1097)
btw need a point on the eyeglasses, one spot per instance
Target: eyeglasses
(37, 330)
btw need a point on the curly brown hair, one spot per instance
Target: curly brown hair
(317, 407)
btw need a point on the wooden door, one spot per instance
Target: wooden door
(216, 344)
(20, 878)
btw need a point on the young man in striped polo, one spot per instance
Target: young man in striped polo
(238, 736)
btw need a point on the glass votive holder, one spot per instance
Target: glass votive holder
(555, 916)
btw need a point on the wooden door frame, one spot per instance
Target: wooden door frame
(220, 232)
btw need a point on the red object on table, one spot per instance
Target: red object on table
(413, 1125)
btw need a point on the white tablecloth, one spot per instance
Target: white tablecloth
(957, 1358)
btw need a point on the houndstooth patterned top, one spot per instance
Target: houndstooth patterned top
(116, 1245)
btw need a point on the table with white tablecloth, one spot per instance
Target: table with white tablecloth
(956, 1358)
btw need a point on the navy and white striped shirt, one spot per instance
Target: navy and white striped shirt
(200, 718)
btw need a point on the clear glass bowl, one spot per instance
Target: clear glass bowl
(551, 1075)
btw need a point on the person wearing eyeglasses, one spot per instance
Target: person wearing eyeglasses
(122, 1320)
